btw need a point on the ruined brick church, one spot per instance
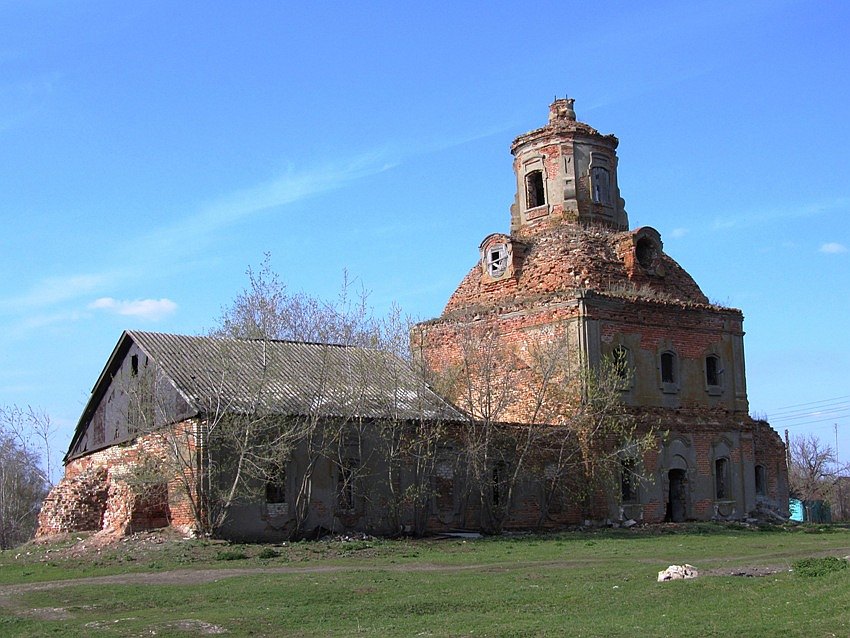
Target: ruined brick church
(569, 266)
(570, 263)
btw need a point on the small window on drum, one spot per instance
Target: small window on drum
(497, 260)
(600, 183)
(535, 192)
(645, 252)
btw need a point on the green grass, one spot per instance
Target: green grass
(580, 584)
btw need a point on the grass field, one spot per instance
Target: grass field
(599, 583)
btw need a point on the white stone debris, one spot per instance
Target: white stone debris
(677, 572)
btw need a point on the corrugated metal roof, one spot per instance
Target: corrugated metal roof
(287, 377)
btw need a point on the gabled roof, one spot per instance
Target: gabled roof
(291, 377)
(278, 377)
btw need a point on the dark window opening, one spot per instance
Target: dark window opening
(721, 478)
(444, 487)
(276, 491)
(628, 479)
(645, 252)
(601, 185)
(620, 360)
(668, 367)
(499, 472)
(761, 481)
(134, 365)
(712, 370)
(534, 190)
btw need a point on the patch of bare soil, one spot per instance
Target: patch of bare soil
(191, 627)
(753, 571)
(46, 613)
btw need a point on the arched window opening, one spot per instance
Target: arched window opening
(761, 481)
(276, 491)
(645, 252)
(713, 374)
(620, 362)
(628, 479)
(712, 370)
(600, 180)
(721, 479)
(500, 475)
(668, 367)
(535, 192)
(444, 486)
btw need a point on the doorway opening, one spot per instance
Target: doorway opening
(677, 501)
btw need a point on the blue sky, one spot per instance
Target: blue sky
(151, 151)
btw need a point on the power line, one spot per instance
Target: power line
(799, 425)
(814, 408)
(832, 413)
(799, 405)
(836, 410)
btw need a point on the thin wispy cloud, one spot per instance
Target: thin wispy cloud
(53, 290)
(677, 233)
(753, 218)
(152, 309)
(290, 186)
(293, 185)
(833, 248)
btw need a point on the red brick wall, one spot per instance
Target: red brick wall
(95, 495)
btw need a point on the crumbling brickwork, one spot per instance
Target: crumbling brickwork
(76, 504)
(99, 494)
(569, 275)
(576, 271)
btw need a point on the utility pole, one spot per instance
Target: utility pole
(839, 480)
(835, 425)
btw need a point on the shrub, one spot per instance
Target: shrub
(818, 566)
(268, 552)
(231, 554)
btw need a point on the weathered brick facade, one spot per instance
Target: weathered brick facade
(569, 272)
(99, 494)
(570, 267)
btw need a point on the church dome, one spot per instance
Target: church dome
(565, 260)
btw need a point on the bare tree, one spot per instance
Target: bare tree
(248, 444)
(228, 452)
(814, 471)
(538, 416)
(610, 441)
(25, 437)
(265, 309)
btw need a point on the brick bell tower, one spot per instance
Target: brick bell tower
(565, 171)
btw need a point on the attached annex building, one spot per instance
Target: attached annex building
(569, 265)
(165, 396)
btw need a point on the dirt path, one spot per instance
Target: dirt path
(197, 576)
